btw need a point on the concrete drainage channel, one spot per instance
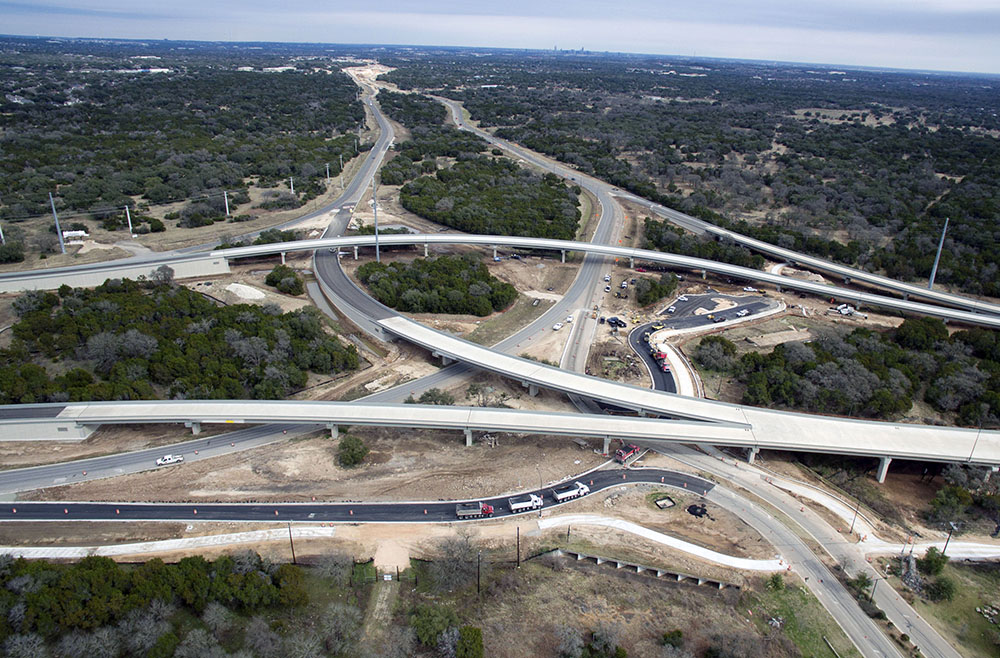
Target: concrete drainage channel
(650, 572)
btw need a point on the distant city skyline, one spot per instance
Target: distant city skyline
(947, 35)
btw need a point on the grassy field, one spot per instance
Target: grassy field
(504, 324)
(804, 621)
(978, 585)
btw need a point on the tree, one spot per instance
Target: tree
(470, 642)
(339, 627)
(429, 621)
(260, 639)
(776, 582)
(164, 274)
(433, 396)
(457, 564)
(351, 451)
(570, 642)
(942, 589)
(933, 561)
(675, 638)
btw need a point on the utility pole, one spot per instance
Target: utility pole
(128, 218)
(479, 569)
(858, 507)
(62, 245)
(341, 172)
(518, 547)
(225, 197)
(937, 258)
(874, 585)
(375, 211)
(291, 543)
(951, 529)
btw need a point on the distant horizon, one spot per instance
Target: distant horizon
(959, 36)
(570, 51)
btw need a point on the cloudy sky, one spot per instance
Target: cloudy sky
(956, 35)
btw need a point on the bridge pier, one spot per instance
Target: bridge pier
(704, 275)
(425, 250)
(752, 454)
(989, 473)
(847, 280)
(282, 258)
(494, 252)
(355, 252)
(468, 438)
(334, 430)
(195, 426)
(883, 468)
(906, 296)
(445, 360)
(631, 263)
(607, 445)
(562, 253)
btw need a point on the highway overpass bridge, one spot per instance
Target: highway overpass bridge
(979, 313)
(761, 429)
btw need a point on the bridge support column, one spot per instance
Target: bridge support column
(355, 252)
(282, 258)
(494, 252)
(425, 250)
(906, 296)
(752, 454)
(334, 430)
(642, 413)
(562, 253)
(631, 263)
(607, 445)
(883, 468)
(989, 473)
(195, 426)
(704, 275)
(847, 280)
(468, 438)
(532, 390)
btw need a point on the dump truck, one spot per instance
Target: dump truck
(524, 503)
(473, 510)
(568, 491)
(626, 452)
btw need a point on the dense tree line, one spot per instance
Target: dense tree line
(449, 284)
(798, 151)
(496, 197)
(50, 600)
(106, 350)
(663, 236)
(649, 291)
(429, 139)
(867, 373)
(105, 133)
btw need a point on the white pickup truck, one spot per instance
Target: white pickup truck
(169, 459)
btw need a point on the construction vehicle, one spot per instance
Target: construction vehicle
(626, 452)
(524, 503)
(473, 510)
(569, 491)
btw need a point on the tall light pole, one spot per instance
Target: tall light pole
(858, 507)
(937, 258)
(375, 211)
(951, 529)
(62, 245)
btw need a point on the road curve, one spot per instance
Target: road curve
(321, 512)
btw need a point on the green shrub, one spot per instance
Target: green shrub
(429, 621)
(470, 642)
(351, 451)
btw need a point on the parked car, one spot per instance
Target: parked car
(657, 326)
(749, 289)
(682, 298)
(607, 288)
(557, 326)
(569, 318)
(671, 309)
(607, 278)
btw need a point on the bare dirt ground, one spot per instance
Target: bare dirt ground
(85, 533)
(108, 440)
(415, 465)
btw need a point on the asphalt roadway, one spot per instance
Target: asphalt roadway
(319, 512)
